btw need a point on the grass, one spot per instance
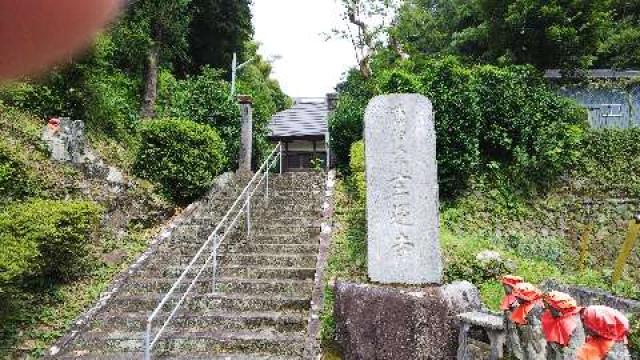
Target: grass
(472, 225)
(36, 311)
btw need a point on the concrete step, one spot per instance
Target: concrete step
(216, 301)
(206, 321)
(262, 259)
(84, 355)
(260, 272)
(245, 271)
(177, 343)
(236, 258)
(256, 238)
(304, 249)
(223, 284)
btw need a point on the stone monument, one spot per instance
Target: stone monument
(402, 191)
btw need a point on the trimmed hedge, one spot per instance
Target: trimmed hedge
(47, 238)
(181, 156)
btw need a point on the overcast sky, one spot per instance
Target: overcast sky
(292, 29)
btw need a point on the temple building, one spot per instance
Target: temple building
(304, 132)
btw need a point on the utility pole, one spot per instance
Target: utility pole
(234, 71)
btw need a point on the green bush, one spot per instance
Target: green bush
(525, 126)
(357, 167)
(489, 120)
(610, 160)
(182, 156)
(346, 122)
(48, 238)
(112, 105)
(16, 182)
(204, 99)
(458, 115)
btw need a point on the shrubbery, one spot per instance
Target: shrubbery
(48, 238)
(15, 181)
(204, 99)
(610, 160)
(182, 156)
(357, 167)
(488, 120)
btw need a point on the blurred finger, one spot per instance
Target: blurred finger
(35, 34)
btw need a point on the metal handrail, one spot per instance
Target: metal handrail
(213, 241)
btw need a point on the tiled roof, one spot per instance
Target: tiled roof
(305, 118)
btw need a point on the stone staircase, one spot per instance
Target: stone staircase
(260, 306)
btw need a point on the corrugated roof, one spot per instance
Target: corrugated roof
(305, 118)
(597, 74)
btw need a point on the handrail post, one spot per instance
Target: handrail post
(266, 192)
(147, 342)
(214, 261)
(248, 209)
(280, 156)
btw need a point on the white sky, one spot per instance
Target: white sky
(292, 29)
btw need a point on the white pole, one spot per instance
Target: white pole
(248, 217)
(214, 262)
(234, 68)
(280, 157)
(147, 342)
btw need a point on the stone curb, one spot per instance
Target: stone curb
(312, 343)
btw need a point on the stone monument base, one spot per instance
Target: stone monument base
(391, 323)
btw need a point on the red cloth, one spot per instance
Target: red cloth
(509, 281)
(528, 296)
(595, 348)
(559, 329)
(608, 327)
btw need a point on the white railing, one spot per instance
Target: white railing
(211, 246)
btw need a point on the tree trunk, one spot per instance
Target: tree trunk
(151, 87)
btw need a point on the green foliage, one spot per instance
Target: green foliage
(501, 122)
(346, 126)
(111, 105)
(16, 181)
(218, 29)
(357, 157)
(610, 161)
(47, 238)
(458, 115)
(570, 35)
(357, 167)
(182, 156)
(526, 126)
(55, 94)
(267, 98)
(634, 336)
(204, 99)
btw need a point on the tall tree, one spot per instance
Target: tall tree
(165, 24)
(546, 33)
(621, 47)
(218, 29)
(366, 25)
